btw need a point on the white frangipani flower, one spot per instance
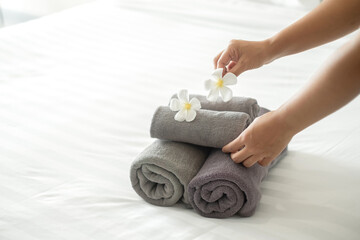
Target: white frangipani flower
(218, 83)
(187, 109)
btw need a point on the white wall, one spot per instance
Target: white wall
(15, 11)
(39, 7)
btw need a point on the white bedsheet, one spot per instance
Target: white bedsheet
(77, 92)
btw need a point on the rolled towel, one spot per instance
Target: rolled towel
(236, 104)
(209, 128)
(223, 188)
(161, 173)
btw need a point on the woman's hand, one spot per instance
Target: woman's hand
(330, 20)
(242, 55)
(261, 142)
(335, 85)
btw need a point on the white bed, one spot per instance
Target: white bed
(77, 93)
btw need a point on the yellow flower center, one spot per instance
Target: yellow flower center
(187, 106)
(220, 83)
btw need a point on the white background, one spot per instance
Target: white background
(15, 11)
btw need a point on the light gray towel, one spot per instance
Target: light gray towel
(161, 173)
(236, 104)
(223, 188)
(209, 128)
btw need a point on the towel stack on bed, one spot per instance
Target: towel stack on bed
(185, 163)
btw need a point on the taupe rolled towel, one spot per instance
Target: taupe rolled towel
(223, 188)
(236, 104)
(209, 128)
(161, 173)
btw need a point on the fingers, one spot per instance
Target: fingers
(238, 68)
(252, 160)
(266, 161)
(231, 65)
(241, 155)
(216, 59)
(224, 59)
(234, 145)
(248, 158)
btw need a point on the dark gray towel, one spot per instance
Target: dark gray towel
(223, 188)
(161, 173)
(236, 104)
(209, 128)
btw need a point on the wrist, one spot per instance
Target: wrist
(284, 118)
(274, 49)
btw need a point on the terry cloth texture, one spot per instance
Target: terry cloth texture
(223, 188)
(161, 173)
(236, 104)
(209, 128)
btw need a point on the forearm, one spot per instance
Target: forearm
(333, 87)
(332, 19)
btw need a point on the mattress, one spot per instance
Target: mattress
(77, 93)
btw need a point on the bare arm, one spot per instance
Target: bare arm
(333, 87)
(332, 19)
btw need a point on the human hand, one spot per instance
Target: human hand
(261, 142)
(242, 55)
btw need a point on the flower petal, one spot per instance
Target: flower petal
(183, 95)
(226, 93)
(230, 79)
(213, 95)
(210, 84)
(174, 104)
(191, 114)
(181, 115)
(217, 73)
(195, 104)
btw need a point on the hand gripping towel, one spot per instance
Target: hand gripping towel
(236, 104)
(161, 173)
(223, 188)
(209, 128)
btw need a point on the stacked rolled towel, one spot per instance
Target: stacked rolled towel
(215, 125)
(162, 172)
(178, 168)
(236, 104)
(223, 188)
(210, 128)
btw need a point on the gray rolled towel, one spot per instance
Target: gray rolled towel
(161, 173)
(223, 188)
(236, 104)
(209, 128)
